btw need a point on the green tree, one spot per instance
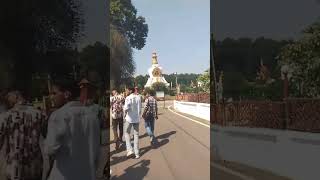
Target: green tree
(147, 90)
(124, 18)
(33, 29)
(93, 59)
(204, 79)
(187, 89)
(127, 31)
(234, 85)
(303, 59)
(141, 81)
(159, 86)
(184, 79)
(244, 55)
(122, 65)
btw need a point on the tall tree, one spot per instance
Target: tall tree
(127, 31)
(160, 86)
(93, 60)
(31, 29)
(124, 18)
(244, 55)
(303, 58)
(122, 65)
(204, 79)
(141, 81)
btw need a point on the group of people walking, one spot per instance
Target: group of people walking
(60, 144)
(127, 112)
(63, 143)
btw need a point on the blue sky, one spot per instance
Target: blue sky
(179, 31)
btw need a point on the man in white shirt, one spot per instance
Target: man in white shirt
(60, 95)
(73, 141)
(132, 109)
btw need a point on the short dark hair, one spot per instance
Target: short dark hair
(132, 89)
(66, 85)
(62, 86)
(152, 92)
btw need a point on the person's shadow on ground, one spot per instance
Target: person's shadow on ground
(122, 147)
(160, 141)
(166, 135)
(135, 172)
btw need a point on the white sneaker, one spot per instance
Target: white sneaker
(110, 171)
(129, 153)
(137, 156)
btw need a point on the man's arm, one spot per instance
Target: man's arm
(48, 171)
(145, 108)
(3, 132)
(56, 130)
(2, 138)
(156, 104)
(127, 106)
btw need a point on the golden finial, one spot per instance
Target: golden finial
(154, 58)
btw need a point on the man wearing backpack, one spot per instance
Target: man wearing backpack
(117, 102)
(150, 113)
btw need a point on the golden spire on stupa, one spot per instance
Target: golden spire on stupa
(154, 58)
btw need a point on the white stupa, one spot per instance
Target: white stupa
(155, 72)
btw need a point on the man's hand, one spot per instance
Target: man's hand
(156, 116)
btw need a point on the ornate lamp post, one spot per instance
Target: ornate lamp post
(176, 79)
(198, 91)
(177, 82)
(220, 87)
(285, 75)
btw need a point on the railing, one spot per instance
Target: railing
(304, 114)
(193, 97)
(293, 114)
(200, 110)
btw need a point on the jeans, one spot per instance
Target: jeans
(149, 125)
(117, 123)
(128, 127)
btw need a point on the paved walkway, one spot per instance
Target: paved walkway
(236, 171)
(183, 152)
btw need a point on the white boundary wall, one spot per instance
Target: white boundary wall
(292, 154)
(200, 110)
